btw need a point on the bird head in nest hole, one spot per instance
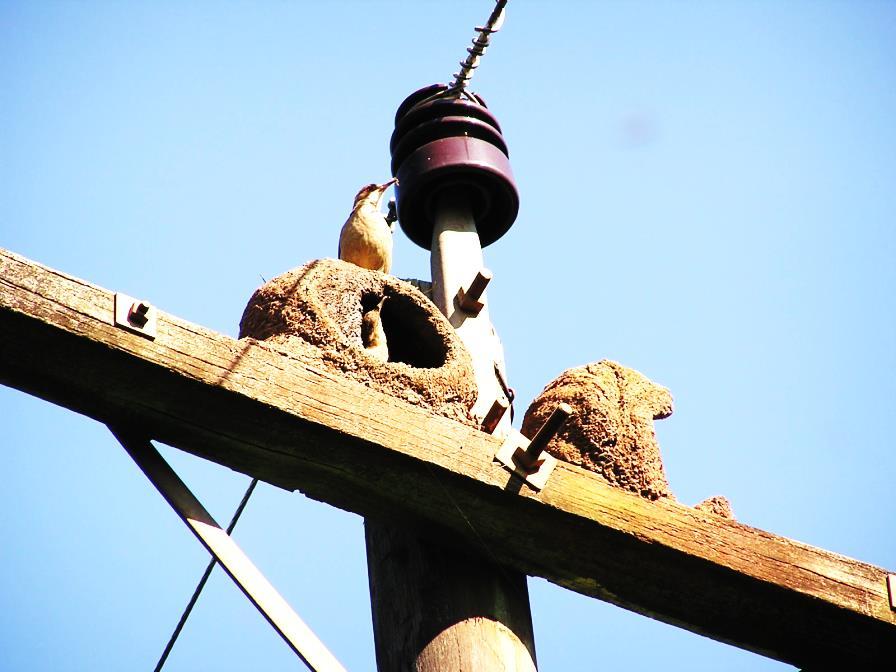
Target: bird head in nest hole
(373, 336)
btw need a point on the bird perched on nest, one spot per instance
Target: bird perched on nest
(373, 336)
(366, 237)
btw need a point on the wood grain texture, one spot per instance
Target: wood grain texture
(438, 608)
(253, 409)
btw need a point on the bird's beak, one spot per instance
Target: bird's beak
(386, 185)
(381, 190)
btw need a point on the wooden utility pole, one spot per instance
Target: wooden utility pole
(437, 606)
(250, 408)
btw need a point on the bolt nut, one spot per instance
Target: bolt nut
(139, 313)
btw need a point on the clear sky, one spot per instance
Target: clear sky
(707, 196)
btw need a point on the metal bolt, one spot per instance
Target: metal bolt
(529, 459)
(468, 299)
(480, 282)
(494, 415)
(138, 314)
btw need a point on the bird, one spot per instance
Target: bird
(366, 236)
(373, 336)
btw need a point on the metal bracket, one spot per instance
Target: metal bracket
(509, 456)
(528, 459)
(140, 317)
(468, 304)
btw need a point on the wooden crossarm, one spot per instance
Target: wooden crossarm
(254, 409)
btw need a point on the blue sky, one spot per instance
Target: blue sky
(707, 195)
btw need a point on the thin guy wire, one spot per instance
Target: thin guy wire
(204, 579)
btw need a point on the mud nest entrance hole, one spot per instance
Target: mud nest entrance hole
(410, 334)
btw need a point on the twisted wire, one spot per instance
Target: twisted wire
(480, 43)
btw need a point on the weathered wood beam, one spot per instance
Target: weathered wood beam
(256, 410)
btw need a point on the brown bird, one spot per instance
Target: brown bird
(373, 336)
(366, 237)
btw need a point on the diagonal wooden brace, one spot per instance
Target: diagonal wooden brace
(225, 550)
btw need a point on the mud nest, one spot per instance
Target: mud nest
(611, 430)
(314, 313)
